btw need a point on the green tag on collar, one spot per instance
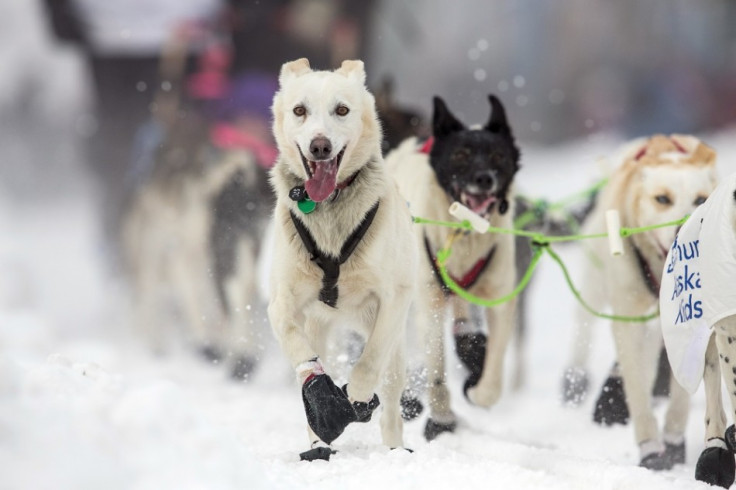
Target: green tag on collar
(306, 205)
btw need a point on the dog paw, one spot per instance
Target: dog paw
(363, 410)
(611, 407)
(327, 407)
(318, 453)
(211, 354)
(716, 466)
(656, 462)
(675, 452)
(574, 386)
(242, 367)
(471, 350)
(411, 406)
(433, 428)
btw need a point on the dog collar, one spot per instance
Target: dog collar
(305, 204)
(470, 277)
(329, 265)
(427, 145)
(646, 271)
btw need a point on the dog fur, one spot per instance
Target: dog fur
(182, 240)
(376, 283)
(660, 179)
(430, 183)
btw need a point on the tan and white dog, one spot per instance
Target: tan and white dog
(660, 179)
(475, 167)
(343, 251)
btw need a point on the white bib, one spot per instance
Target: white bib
(699, 283)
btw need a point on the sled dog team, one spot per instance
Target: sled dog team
(345, 253)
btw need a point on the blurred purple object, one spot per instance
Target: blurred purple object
(250, 94)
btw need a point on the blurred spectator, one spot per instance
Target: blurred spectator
(125, 42)
(267, 34)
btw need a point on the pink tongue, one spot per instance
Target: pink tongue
(323, 182)
(478, 204)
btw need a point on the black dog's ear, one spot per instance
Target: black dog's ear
(443, 122)
(497, 122)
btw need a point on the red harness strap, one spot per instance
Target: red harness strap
(427, 145)
(470, 277)
(227, 136)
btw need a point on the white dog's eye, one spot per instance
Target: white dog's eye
(342, 110)
(699, 200)
(663, 199)
(300, 111)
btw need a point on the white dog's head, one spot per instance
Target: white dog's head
(325, 124)
(664, 179)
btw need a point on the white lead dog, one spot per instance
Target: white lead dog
(344, 251)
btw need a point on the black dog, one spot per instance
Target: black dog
(475, 167)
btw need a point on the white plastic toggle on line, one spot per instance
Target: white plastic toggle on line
(462, 213)
(613, 223)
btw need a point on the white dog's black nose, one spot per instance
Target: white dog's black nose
(320, 148)
(484, 179)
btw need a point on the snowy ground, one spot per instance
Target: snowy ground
(83, 405)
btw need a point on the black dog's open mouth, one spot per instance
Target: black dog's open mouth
(321, 175)
(478, 203)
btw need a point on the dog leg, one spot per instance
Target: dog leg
(575, 379)
(637, 373)
(610, 407)
(500, 326)
(188, 276)
(715, 417)
(725, 333)
(240, 289)
(715, 464)
(148, 284)
(392, 428)
(469, 331)
(431, 306)
(386, 332)
(676, 422)
(292, 336)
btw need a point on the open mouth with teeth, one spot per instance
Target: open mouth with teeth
(478, 203)
(321, 176)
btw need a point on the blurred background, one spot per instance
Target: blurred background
(77, 72)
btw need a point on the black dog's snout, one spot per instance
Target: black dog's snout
(484, 179)
(320, 148)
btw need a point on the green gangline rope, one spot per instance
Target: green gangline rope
(540, 244)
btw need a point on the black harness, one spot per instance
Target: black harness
(329, 265)
(646, 271)
(465, 282)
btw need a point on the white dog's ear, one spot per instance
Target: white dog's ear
(353, 69)
(294, 69)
